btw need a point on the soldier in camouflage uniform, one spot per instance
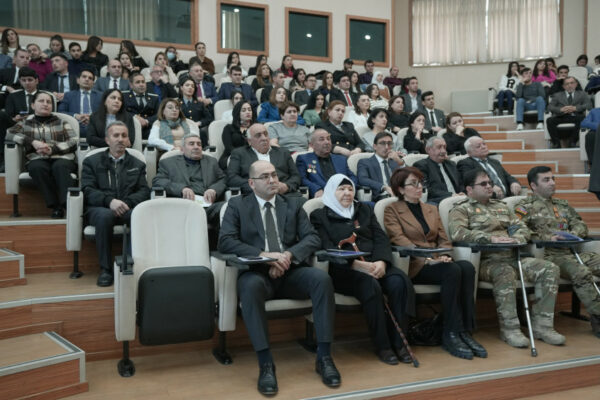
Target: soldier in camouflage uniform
(481, 219)
(546, 217)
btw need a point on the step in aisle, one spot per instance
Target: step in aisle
(12, 268)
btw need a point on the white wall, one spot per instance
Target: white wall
(593, 44)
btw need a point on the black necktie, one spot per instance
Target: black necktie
(29, 96)
(386, 168)
(570, 99)
(115, 83)
(432, 118)
(270, 229)
(61, 84)
(140, 100)
(493, 175)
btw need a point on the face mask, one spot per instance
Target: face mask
(171, 55)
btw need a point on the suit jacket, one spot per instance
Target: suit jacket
(196, 111)
(227, 88)
(7, 77)
(301, 97)
(209, 91)
(242, 232)
(71, 104)
(337, 94)
(174, 175)
(312, 176)
(347, 137)
(104, 83)
(408, 103)
(469, 163)
(404, 229)
(51, 83)
(148, 111)
(439, 115)
(97, 126)
(17, 102)
(435, 184)
(166, 90)
(580, 100)
(242, 157)
(369, 174)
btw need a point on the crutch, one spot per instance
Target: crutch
(581, 262)
(526, 304)
(352, 241)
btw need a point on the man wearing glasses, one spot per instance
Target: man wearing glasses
(265, 224)
(481, 219)
(375, 172)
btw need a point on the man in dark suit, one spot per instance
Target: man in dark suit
(504, 183)
(235, 72)
(259, 148)
(81, 103)
(193, 174)
(344, 94)
(375, 172)
(9, 77)
(367, 77)
(76, 65)
(60, 81)
(141, 104)
(348, 63)
(157, 86)
(278, 79)
(435, 120)
(412, 99)
(205, 91)
(301, 97)
(567, 107)
(264, 224)
(441, 175)
(113, 80)
(317, 167)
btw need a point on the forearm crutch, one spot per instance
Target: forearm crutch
(580, 261)
(352, 241)
(526, 304)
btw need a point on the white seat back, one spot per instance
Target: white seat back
(220, 107)
(380, 207)
(354, 159)
(411, 159)
(286, 83)
(215, 137)
(137, 142)
(249, 79)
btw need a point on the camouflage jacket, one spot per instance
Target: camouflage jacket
(472, 221)
(544, 217)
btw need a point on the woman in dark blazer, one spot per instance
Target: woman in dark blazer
(410, 222)
(456, 133)
(345, 141)
(234, 134)
(366, 280)
(416, 136)
(112, 108)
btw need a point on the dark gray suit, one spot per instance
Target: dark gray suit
(435, 184)
(174, 174)
(301, 97)
(408, 104)
(439, 115)
(580, 100)
(242, 157)
(469, 164)
(105, 83)
(242, 233)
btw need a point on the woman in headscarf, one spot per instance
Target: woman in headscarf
(367, 280)
(384, 91)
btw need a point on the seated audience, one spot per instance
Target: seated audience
(139, 63)
(41, 65)
(60, 81)
(302, 96)
(192, 174)
(49, 145)
(112, 108)
(107, 204)
(259, 148)
(205, 90)
(289, 134)
(397, 117)
(227, 115)
(206, 63)
(287, 66)
(557, 85)
(551, 64)
(360, 114)
(582, 61)
(269, 111)
(93, 53)
(503, 184)
(375, 99)
(441, 175)
(263, 78)
(343, 136)
(168, 75)
(542, 74)
(416, 135)
(57, 45)
(530, 96)
(290, 244)
(127, 66)
(412, 98)
(113, 80)
(277, 80)
(260, 61)
(393, 80)
(318, 166)
(371, 278)
(236, 84)
(435, 120)
(507, 88)
(81, 103)
(327, 83)
(76, 64)
(375, 172)
(456, 133)
(174, 62)
(297, 82)
(354, 84)
(567, 107)
(377, 122)
(412, 223)
(343, 94)
(169, 129)
(383, 89)
(347, 67)
(9, 42)
(141, 104)
(158, 86)
(233, 59)
(234, 134)
(367, 77)
(9, 77)
(193, 109)
(316, 109)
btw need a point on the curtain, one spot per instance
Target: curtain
(448, 31)
(54, 16)
(124, 18)
(230, 28)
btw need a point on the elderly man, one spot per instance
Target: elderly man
(393, 80)
(113, 183)
(205, 90)
(481, 219)
(548, 218)
(284, 234)
(567, 107)
(441, 175)
(259, 148)
(236, 84)
(158, 86)
(375, 172)
(113, 80)
(317, 167)
(503, 183)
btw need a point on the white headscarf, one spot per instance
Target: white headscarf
(332, 202)
(374, 80)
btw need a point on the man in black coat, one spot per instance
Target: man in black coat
(344, 93)
(113, 183)
(263, 224)
(60, 81)
(442, 177)
(504, 183)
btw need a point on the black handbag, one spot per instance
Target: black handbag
(426, 332)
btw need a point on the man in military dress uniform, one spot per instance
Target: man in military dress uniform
(481, 219)
(141, 104)
(547, 218)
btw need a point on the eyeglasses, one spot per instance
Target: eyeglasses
(484, 184)
(414, 184)
(265, 177)
(387, 144)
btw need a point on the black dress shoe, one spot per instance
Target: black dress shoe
(329, 373)
(477, 349)
(105, 279)
(404, 355)
(387, 356)
(452, 343)
(267, 381)
(58, 213)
